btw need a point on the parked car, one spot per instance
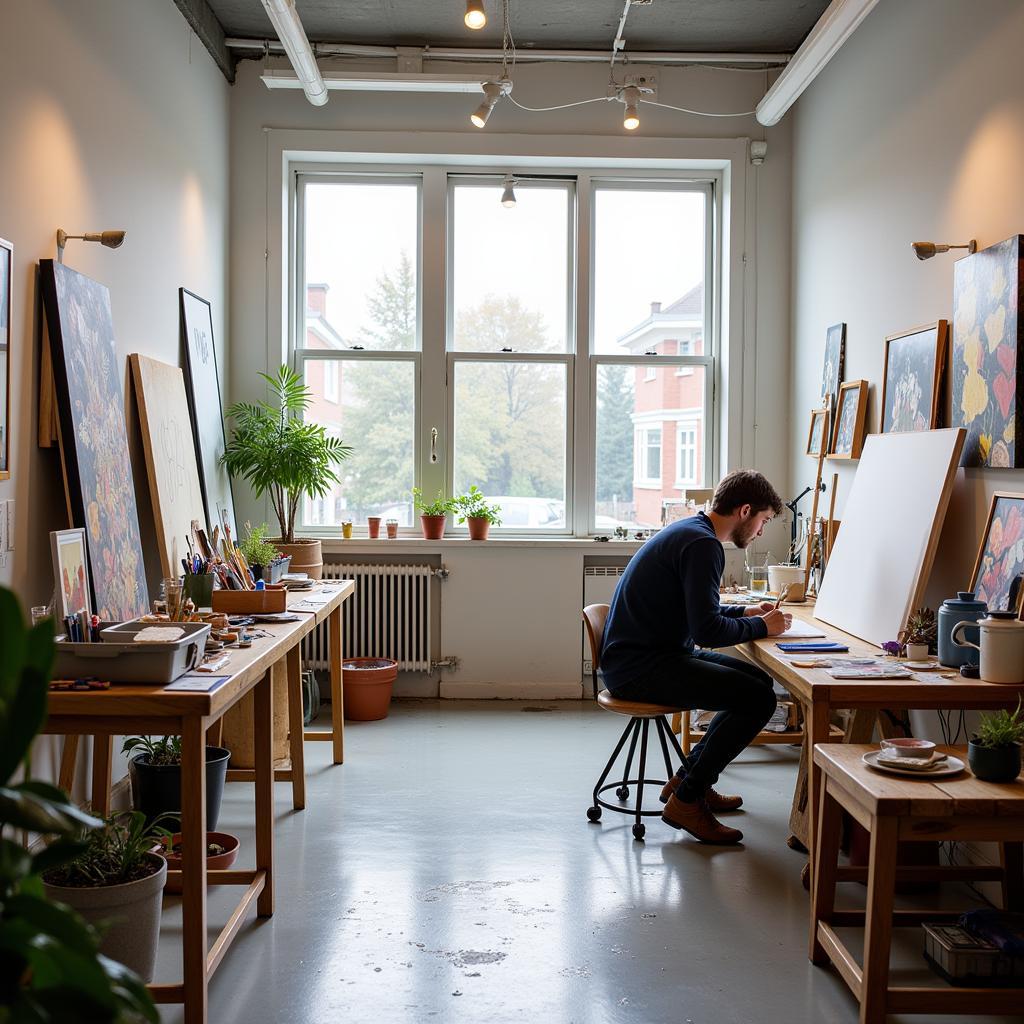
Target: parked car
(530, 513)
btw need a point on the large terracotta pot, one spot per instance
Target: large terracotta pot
(306, 556)
(478, 527)
(433, 527)
(368, 683)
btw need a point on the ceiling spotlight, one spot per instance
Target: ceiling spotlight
(508, 197)
(111, 239)
(476, 17)
(493, 91)
(926, 250)
(631, 118)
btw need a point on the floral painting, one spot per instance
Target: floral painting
(910, 383)
(986, 344)
(832, 370)
(848, 437)
(816, 435)
(999, 570)
(88, 379)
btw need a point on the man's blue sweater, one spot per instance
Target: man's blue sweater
(667, 601)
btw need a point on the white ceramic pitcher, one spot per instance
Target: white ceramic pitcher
(1002, 647)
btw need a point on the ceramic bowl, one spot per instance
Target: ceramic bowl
(908, 747)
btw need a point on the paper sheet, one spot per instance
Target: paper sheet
(800, 630)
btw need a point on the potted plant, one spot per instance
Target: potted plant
(280, 454)
(476, 513)
(919, 634)
(263, 558)
(51, 967)
(433, 513)
(994, 750)
(221, 851)
(368, 683)
(155, 770)
(116, 883)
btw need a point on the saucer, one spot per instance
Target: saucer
(951, 766)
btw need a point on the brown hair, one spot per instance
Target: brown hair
(745, 487)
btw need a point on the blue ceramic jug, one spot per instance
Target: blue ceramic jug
(961, 608)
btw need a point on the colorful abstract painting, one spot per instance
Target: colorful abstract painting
(987, 366)
(71, 571)
(88, 379)
(999, 570)
(914, 361)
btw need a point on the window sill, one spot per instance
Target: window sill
(419, 546)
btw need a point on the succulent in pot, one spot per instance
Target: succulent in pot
(919, 634)
(994, 750)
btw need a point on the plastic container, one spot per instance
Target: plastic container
(119, 659)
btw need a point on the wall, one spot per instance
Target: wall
(547, 586)
(114, 117)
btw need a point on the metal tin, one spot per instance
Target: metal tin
(961, 608)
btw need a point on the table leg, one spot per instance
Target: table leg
(337, 691)
(826, 860)
(817, 727)
(263, 699)
(193, 869)
(68, 761)
(295, 728)
(102, 756)
(1011, 856)
(878, 923)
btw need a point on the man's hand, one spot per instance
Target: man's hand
(758, 609)
(777, 621)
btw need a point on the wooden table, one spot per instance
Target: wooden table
(153, 710)
(892, 809)
(820, 694)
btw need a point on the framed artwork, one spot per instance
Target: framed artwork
(850, 420)
(206, 410)
(90, 412)
(999, 569)
(817, 435)
(911, 378)
(988, 370)
(832, 370)
(6, 291)
(70, 572)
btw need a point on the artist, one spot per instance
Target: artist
(667, 601)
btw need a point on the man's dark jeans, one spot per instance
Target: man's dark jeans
(741, 693)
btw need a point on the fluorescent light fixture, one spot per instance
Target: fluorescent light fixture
(508, 197)
(359, 81)
(493, 91)
(289, 30)
(926, 250)
(832, 29)
(631, 118)
(476, 16)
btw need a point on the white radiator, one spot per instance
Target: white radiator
(599, 583)
(388, 616)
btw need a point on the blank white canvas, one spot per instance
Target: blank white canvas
(885, 547)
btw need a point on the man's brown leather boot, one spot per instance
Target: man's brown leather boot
(716, 801)
(696, 819)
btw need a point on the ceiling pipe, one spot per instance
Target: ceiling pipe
(823, 42)
(289, 30)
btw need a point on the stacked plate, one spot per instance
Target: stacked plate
(937, 765)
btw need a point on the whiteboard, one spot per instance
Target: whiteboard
(879, 567)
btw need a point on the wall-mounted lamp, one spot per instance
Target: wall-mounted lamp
(476, 16)
(926, 250)
(508, 197)
(493, 91)
(111, 239)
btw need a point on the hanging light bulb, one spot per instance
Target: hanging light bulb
(493, 91)
(631, 118)
(508, 197)
(476, 17)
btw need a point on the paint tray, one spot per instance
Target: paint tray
(119, 659)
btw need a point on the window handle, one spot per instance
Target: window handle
(506, 350)
(433, 444)
(356, 348)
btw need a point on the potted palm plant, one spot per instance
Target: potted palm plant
(476, 513)
(994, 750)
(279, 454)
(51, 967)
(433, 514)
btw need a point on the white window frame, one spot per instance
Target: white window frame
(684, 371)
(686, 427)
(332, 372)
(642, 434)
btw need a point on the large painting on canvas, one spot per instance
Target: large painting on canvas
(912, 373)
(206, 409)
(987, 365)
(101, 493)
(999, 569)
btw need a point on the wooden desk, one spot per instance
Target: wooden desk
(819, 694)
(152, 710)
(891, 809)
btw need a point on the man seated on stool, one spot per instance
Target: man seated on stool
(667, 601)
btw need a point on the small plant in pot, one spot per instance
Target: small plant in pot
(155, 770)
(116, 883)
(263, 558)
(476, 513)
(221, 851)
(994, 750)
(433, 514)
(919, 634)
(278, 453)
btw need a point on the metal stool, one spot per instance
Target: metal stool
(640, 718)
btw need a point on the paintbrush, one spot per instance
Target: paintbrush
(783, 594)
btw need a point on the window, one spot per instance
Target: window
(684, 347)
(648, 456)
(686, 456)
(331, 381)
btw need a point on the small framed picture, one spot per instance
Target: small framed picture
(911, 378)
(71, 572)
(998, 577)
(850, 420)
(816, 436)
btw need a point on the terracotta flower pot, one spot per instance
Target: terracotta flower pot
(306, 556)
(433, 527)
(478, 527)
(368, 683)
(214, 862)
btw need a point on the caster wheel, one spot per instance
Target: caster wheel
(639, 831)
(593, 813)
(622, 792)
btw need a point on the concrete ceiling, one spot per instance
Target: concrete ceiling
(753, 26)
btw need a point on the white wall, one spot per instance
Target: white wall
(114, 116)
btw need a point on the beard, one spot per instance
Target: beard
(743, 535)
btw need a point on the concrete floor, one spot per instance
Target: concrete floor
(447, 872)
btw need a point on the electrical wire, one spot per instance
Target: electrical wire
(560, 106)
(699, 113)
